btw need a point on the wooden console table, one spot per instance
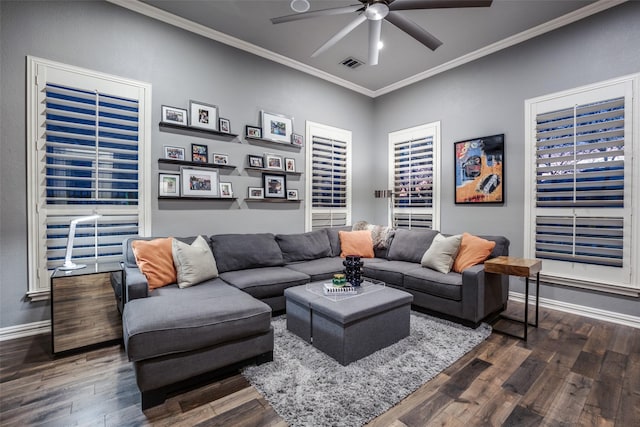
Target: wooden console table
(521, 267)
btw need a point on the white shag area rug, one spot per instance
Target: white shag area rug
(308, 388)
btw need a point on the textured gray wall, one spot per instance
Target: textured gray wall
(487, 97)
(180, 66)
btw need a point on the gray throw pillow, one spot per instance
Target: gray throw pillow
(194, 263)
(442, 253)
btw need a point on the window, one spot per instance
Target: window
(414, 156)
(581, 216)
(329, 180)
(86, 155)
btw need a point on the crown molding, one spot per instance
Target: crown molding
(554, 24)
(188, 25)
(171, 19)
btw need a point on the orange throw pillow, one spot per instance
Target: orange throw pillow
(357, 243)
(473, 250)
(155, 260)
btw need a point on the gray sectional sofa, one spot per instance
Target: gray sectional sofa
(174, 335)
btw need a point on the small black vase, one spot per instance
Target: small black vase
(353, 270)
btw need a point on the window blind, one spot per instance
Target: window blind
(413, 183)
(329, 183)
(580, 172)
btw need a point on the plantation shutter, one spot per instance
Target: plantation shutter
(329, 183)
(413, 183)
(580, 162)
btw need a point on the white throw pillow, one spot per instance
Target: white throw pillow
(442, 253)
(194, 263)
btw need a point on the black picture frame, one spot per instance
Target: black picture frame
(253, 132)
(199, 153)
(479, 170)
(275, 186)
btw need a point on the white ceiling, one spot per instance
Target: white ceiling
(466, 34)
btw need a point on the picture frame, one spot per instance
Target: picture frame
(276, 127)
(224, 125)
(255, 193)
(173, 153)
(256, 161)
(297, 140)
(220, 159)
(479, 170)
(253, 132)
(168, 185)
(226, 190)
(292, 194)
(273, 162)
(274, 185)
(289, 164)
(174, 115)
(203, 116)
(200, 182)
(199, 153)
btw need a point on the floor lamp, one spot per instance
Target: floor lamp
(386, 194)
(68, 264)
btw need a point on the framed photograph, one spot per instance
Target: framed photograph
(479, 169)
(253, 132)
(225, 190)
(224, 125)
(220, 159)
(272, 161)
(292, 194)
(199, 153)
(289, 164)
(256, 193)
(200, 182)
(168, 185)
(275, 186)
(276, 127)
(204, 116)
(176, 116)
(174, 153)
(256, 161)
(297, 140)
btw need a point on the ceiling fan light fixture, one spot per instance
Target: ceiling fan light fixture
(376, 11)
(300, 5)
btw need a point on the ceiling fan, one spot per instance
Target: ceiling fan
(375, 11)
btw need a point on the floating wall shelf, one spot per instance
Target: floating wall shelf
(268, 141)
(194, 164)
(205, 133)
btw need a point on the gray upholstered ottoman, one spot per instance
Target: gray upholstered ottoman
(348, 329)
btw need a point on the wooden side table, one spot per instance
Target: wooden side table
(521, 267)
(84, 309)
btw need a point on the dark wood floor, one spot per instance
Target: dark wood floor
(573, 371)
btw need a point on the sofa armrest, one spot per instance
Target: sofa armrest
(482, 293)
(136, 283)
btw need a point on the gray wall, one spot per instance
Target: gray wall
(481, 98)
(487, 97)
(180, 66)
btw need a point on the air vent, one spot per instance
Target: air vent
(352, 63)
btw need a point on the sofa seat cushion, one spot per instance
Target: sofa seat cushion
(183, 320)
(431, 282)
(319, 269)
(265, 282)
(390, 272)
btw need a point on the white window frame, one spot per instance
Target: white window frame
(328, 132)
(39, 71)
(626, 279)
(415, 133)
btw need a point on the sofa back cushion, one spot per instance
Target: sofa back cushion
(241, 251)
(410, 245)
(501, 248)
(305, 246)
(334, 238)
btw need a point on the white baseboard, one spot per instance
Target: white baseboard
(25, 330)
(594, 313)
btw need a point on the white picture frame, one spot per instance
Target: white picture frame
(273, 162)
(289, 164)
(200, 182)
(203, 116)
(168, 185)
(276, 127)
(174, 115)
(255, 193)
(292, 194)
(226, 190)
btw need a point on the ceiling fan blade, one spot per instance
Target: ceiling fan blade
(437, 4)
(374, 39)
(316, 13)
(414, 30)
(340, 35)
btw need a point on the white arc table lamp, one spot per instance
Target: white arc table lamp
(68, 264)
